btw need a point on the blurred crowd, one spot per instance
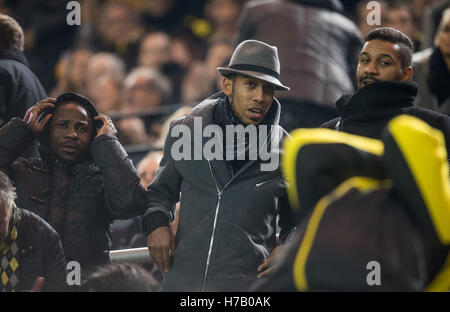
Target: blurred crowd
(143, 62)
(133, 57)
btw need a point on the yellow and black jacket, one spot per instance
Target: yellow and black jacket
(360, 200)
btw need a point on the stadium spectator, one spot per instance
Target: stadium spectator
(385, 89)
(19, 87)
(29, 247)
(432, 70)
(83, 180)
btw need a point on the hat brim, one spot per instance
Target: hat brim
(272, 80)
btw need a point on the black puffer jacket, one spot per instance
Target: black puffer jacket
(227, 223)
(79, 201)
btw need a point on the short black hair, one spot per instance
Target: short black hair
(120, 277)
(11, 34)
(397, 37)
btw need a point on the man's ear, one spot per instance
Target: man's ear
(227, 85)
(408, 73)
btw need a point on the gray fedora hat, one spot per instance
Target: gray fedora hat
(255, 59)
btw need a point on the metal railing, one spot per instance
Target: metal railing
(135, 255)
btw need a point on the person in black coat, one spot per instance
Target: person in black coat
(30, 249)
(19, 87)
(384, 75)
(83, 180)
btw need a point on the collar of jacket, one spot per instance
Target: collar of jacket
(377, 100)
(16, 55)
(50, 159)
(207, 110)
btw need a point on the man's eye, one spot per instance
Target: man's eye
(82, 128)
(364, 61)
(269, 88)
(250, 84)
(384, 63)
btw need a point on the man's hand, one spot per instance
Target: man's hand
(31, 117)
(161, 245)
(266, 267)
(38, 284)
(107, 127)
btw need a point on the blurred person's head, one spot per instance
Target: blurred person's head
(385, 56)
(120, 277)
(104, 79)
(154, 50)
(159, 8)
(147, 167)
(106, 92)
(103, 63)
(223, 14)
(72, 77)
(419, 7)
(401, 17)
(11, 34)
(7, 196)
(201, 77)
(442, 38)
(218, 52)
(182, 111)
(118, 23)
(363, 18)
(145, 88)
(185, 48)
(132, 131)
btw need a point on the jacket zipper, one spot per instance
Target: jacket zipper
(219, 197)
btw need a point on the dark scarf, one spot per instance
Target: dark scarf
(225, 116)
(439, 76)
(377, 101)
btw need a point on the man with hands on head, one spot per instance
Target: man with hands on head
(83, 179)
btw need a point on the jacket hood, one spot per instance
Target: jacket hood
(377, 100)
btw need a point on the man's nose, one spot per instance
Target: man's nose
(371, 68)
(258, 95)
(71, 133)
